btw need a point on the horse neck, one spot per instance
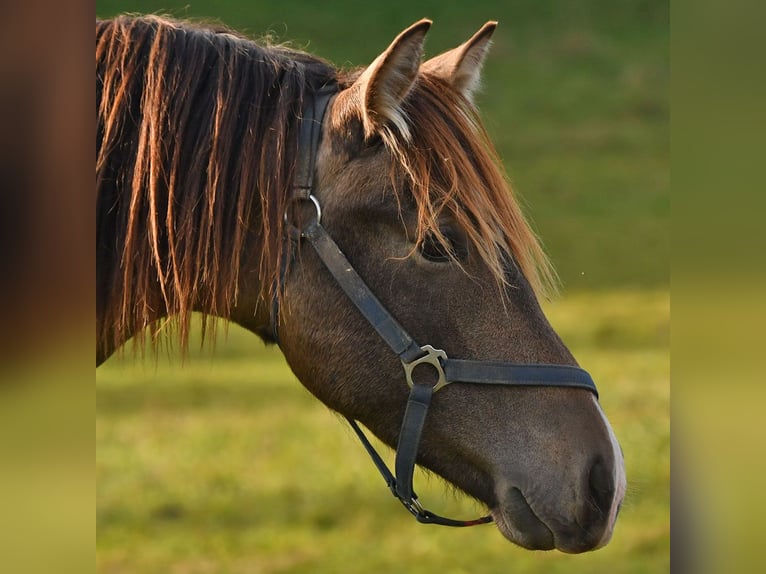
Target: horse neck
(190, 204)
(249, 304)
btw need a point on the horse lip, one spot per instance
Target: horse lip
(518, 523)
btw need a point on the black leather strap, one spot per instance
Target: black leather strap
(400, 342)
(376, 458)
(409, 438)
(500, 373)
(308, 139)
(412, 505)
(397, 339)
(455, 370)
(365, 300)
(309, 133)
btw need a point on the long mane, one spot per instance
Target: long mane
(451, 166)
(194, 147)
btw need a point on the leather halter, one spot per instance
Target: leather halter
(411, 354)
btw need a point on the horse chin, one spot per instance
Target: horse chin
(520, 524)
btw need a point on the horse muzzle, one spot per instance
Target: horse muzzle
(552, 519)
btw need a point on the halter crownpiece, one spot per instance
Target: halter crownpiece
(413, 356)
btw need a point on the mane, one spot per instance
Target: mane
(452, 166)
(195, 148)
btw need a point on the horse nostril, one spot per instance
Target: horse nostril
(601, 485)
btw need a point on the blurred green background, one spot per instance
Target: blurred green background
(226, 464)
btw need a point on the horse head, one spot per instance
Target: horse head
(412, 194)
(197, 148)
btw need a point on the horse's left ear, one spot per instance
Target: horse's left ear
(461, 66)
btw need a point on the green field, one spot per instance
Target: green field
(226, 464)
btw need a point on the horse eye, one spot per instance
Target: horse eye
(440, 252)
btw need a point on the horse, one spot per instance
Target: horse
(344, 214)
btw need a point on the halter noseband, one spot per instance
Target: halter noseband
(393, 334)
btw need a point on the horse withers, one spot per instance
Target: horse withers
(214, 164)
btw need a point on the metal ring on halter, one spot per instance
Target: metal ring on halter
(293, 230)
(414, 506)
(432, 357)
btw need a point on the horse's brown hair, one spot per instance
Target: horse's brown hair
(195, 152)
(452, 166)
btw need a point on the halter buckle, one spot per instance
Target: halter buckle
(432, 357)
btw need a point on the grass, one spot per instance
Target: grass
(226, 464)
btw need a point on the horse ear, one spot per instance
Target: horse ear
(461, 66)
(387, 81)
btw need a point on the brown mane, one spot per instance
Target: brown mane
(453, 166)
(193, 148)
(196, 148)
